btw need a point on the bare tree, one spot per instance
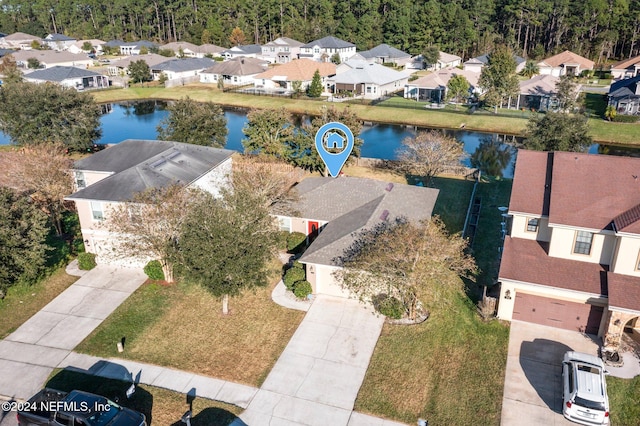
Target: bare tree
(429, 154)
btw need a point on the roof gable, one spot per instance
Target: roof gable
(183, 65)
(329, 42)
(626, 63)
(238, 66)
(369, 73)
(385, 51)
(568, 57)
(59, 73)
(299, 69)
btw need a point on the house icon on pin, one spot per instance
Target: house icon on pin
(334, 140)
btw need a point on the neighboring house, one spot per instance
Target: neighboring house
(476, 64)
(116, 174)
(302, 70)
(121, 66)
(19, 41)
(281, 50)
(323, 49)
(368, 80)
(181, 68)
(58, 41)
(5, 52)
(628, 68)
(190, 50)
(235, 72)
(331, 210)
(445, 60)
(383, 54)
(128, 48)
(624, 96)
(78, 78)
(246, 51)
(52, 58)
(78, 46)
(538, 93)
(433, 87)
(572, 259)
(565, 63)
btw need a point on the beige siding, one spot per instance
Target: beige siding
(298, 225)
(563, 241)
(627, 256)
(92, 177)
(519, 228)
(326, 283)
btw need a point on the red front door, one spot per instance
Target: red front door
(312, 231)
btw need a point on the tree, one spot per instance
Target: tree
(491, 157)
(33, 63)
(162, 79)
(610, 112)
(199, 123)
(44, 170)
(23, 230)
(268, 132)
(237, 37)
(558, 132)
(429, 154)
(9, 70)
(408, 261)
(499, 78)
(315, 88)
(458, 87)
(87, 47)
(567, 93)
(296, 85)
(35, 113)
(530, 69)
(226, 243)
(149, 225)
(431, 55)
(139, 71)
(335, 58)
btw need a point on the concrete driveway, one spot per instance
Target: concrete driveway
(533, 378)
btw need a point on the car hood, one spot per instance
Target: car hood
(128, 417)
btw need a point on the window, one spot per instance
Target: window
(532, 224)
(368, 89)
(316, 50)
(96, 210)
(273, 49)
(583, 242)
(638, 262)
(80, 182)
(285, 223)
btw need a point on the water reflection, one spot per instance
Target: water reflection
(493, 157)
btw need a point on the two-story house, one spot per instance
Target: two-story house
(325, 48)
(116, 174)
(281, 50)
(572, 259)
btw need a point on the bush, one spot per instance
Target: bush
(282, 240)
(619, 118)
(296, 242)
(292, 276)
(153, 269)
(302, 289)
(297, 264)
(388, 306)
(86, 261)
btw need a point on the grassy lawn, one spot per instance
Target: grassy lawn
(23, 301)
(181, 326)
(623, 400)
(453, 201)
(160, 406)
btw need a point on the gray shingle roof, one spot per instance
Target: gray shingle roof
(385, 51)
(181, 65)
(141, 164)
(364, 72)
(59, 37)
(623, 87)
(238, 66)
(351, 204)
(4, 52)
(60, 73)
(247, 49)
(329, 42)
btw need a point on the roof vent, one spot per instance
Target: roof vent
(157, 163)
(384, 215)
(389, 187)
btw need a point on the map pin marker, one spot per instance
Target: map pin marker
(332, 136)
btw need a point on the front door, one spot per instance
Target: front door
(312, 231)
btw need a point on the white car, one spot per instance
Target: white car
(584, 393)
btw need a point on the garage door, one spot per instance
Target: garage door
(557, 313)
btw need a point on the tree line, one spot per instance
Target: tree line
(598, 29)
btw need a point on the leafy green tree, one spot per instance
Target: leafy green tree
(315, 88)
(139, 71)
(530, 69)
(335, 58)
(87, 47)
(567, 93)
(457, 88)
(558, 132)
(431, 54)
(33, 63)
(610, 113)
(23, 231)
(162, 79)
(226, 244)
(269, 132)
(498, 77)
(199, 123)
(36, 113)
(9, 70)
(296, 85)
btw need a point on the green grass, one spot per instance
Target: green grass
(453, 201)
(596, 103)
(624, 395)
(160, 406)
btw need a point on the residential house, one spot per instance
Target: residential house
(476, 64)
(190, 50)
(5, 52)
(281, 50)
(19, 41)
(323, 49)
(58, 41)
(565, 63)
(246, 51)
(235, 72)
(368, 80)
(78, 78)
(185, 68)
(572, 259)
(627, 68)
(432, 88)
(537, 93)
(116, 174)
(624, 96)
(78, 46)
(445, 60)
(128, 48)
(121, 66)
(283, 76)
(348, 205)
(385, 54)
(52, 58)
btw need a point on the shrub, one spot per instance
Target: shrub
(619, 118)
(282, 240)
(297, 264)
(153, 269)
(302, 289)
(292, 276)
(295, 242)
(388, 306)
(86, 261)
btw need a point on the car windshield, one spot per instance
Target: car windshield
(103, 418)
(587, 403)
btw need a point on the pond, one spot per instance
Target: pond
(138, 120)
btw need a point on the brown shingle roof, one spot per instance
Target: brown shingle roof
(627, 63)
(624, 291)
(530, 187)
(527, 261)
(568, 57)
(299, 69)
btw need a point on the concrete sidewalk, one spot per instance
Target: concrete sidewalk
(29, 354)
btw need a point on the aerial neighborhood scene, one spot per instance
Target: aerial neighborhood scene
(334, 213)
